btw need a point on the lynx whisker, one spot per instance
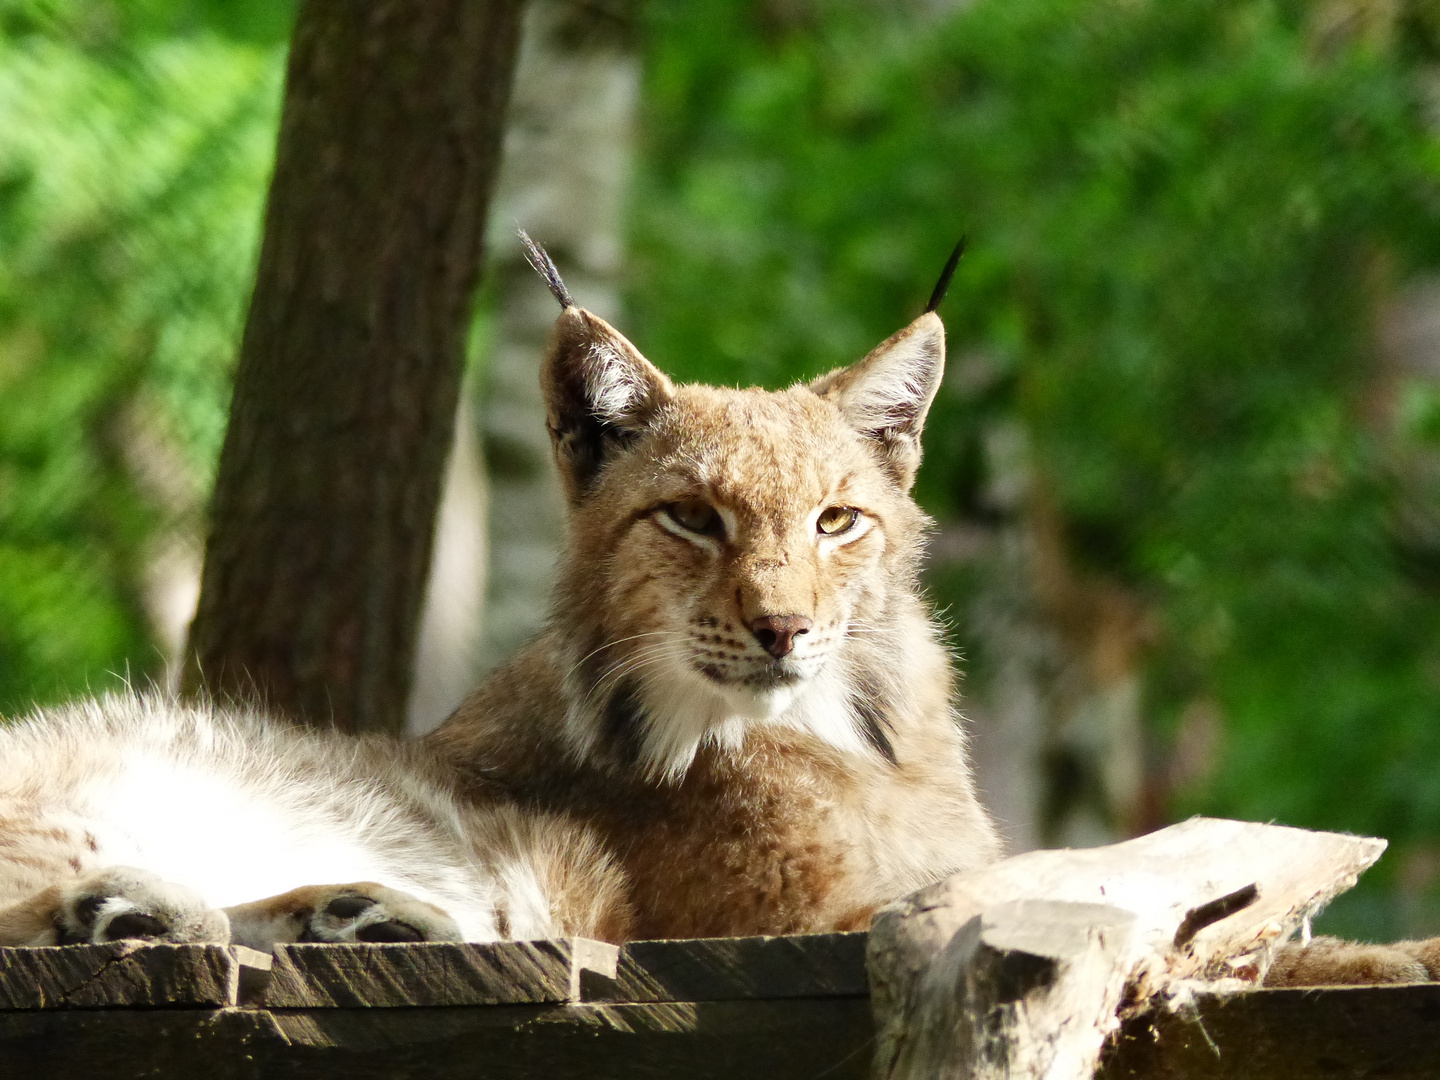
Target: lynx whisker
(647, 657)
(618, 641)
(859, 629)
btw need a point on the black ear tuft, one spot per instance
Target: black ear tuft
(943, 285)
(543, 265)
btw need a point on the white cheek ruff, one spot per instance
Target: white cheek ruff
(822, 709)
(681, 710)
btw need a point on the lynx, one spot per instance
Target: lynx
(740, 688)
(739, 721)
(136, 817)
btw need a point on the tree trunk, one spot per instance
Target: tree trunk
(349, 371)
(567, 169)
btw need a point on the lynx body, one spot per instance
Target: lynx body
(740, 687)
(132, 816)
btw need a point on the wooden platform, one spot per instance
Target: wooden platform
(765, 1008)
(744, 1007)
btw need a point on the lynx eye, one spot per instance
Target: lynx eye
(696, 516)
(836, 520)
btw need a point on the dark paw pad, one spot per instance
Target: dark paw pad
(388, 932)
(86, 908)
(348, 907)
(134, 924)
(370, 912)
(122, 902)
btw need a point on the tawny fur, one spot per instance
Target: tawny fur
(1328, 961)
(743, 793)
(250, 831)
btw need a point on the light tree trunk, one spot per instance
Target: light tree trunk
(453, 613)
(350, 366)
(568, 154)
(1053, 691)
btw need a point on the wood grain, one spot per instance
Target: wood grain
(1334, 1033)
(437, 973)
(127, 974)
(722, 969)
(727, 1040)
(761, 1007)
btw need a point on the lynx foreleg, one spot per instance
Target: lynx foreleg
(1329, 961)
(33, 921)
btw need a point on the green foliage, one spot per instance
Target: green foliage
(133, 160)
(1182, 216)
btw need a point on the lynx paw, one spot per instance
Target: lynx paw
(362, 911)
(369, 912)
(123, 902)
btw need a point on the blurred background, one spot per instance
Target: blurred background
(1185, 466)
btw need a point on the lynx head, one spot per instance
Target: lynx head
(735, 557)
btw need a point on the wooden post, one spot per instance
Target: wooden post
(1019, 970)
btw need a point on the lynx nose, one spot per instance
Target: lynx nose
(777, 633)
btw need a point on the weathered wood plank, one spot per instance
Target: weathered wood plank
(1328, 1034)
(1333, 1033)
(438, 973)
(432, 974)
(127, 974)
(966, 984)
(794, 1039)
(723, 969)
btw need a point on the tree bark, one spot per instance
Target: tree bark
(350, 365)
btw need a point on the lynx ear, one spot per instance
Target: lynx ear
(886, 395)
(599, 393)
